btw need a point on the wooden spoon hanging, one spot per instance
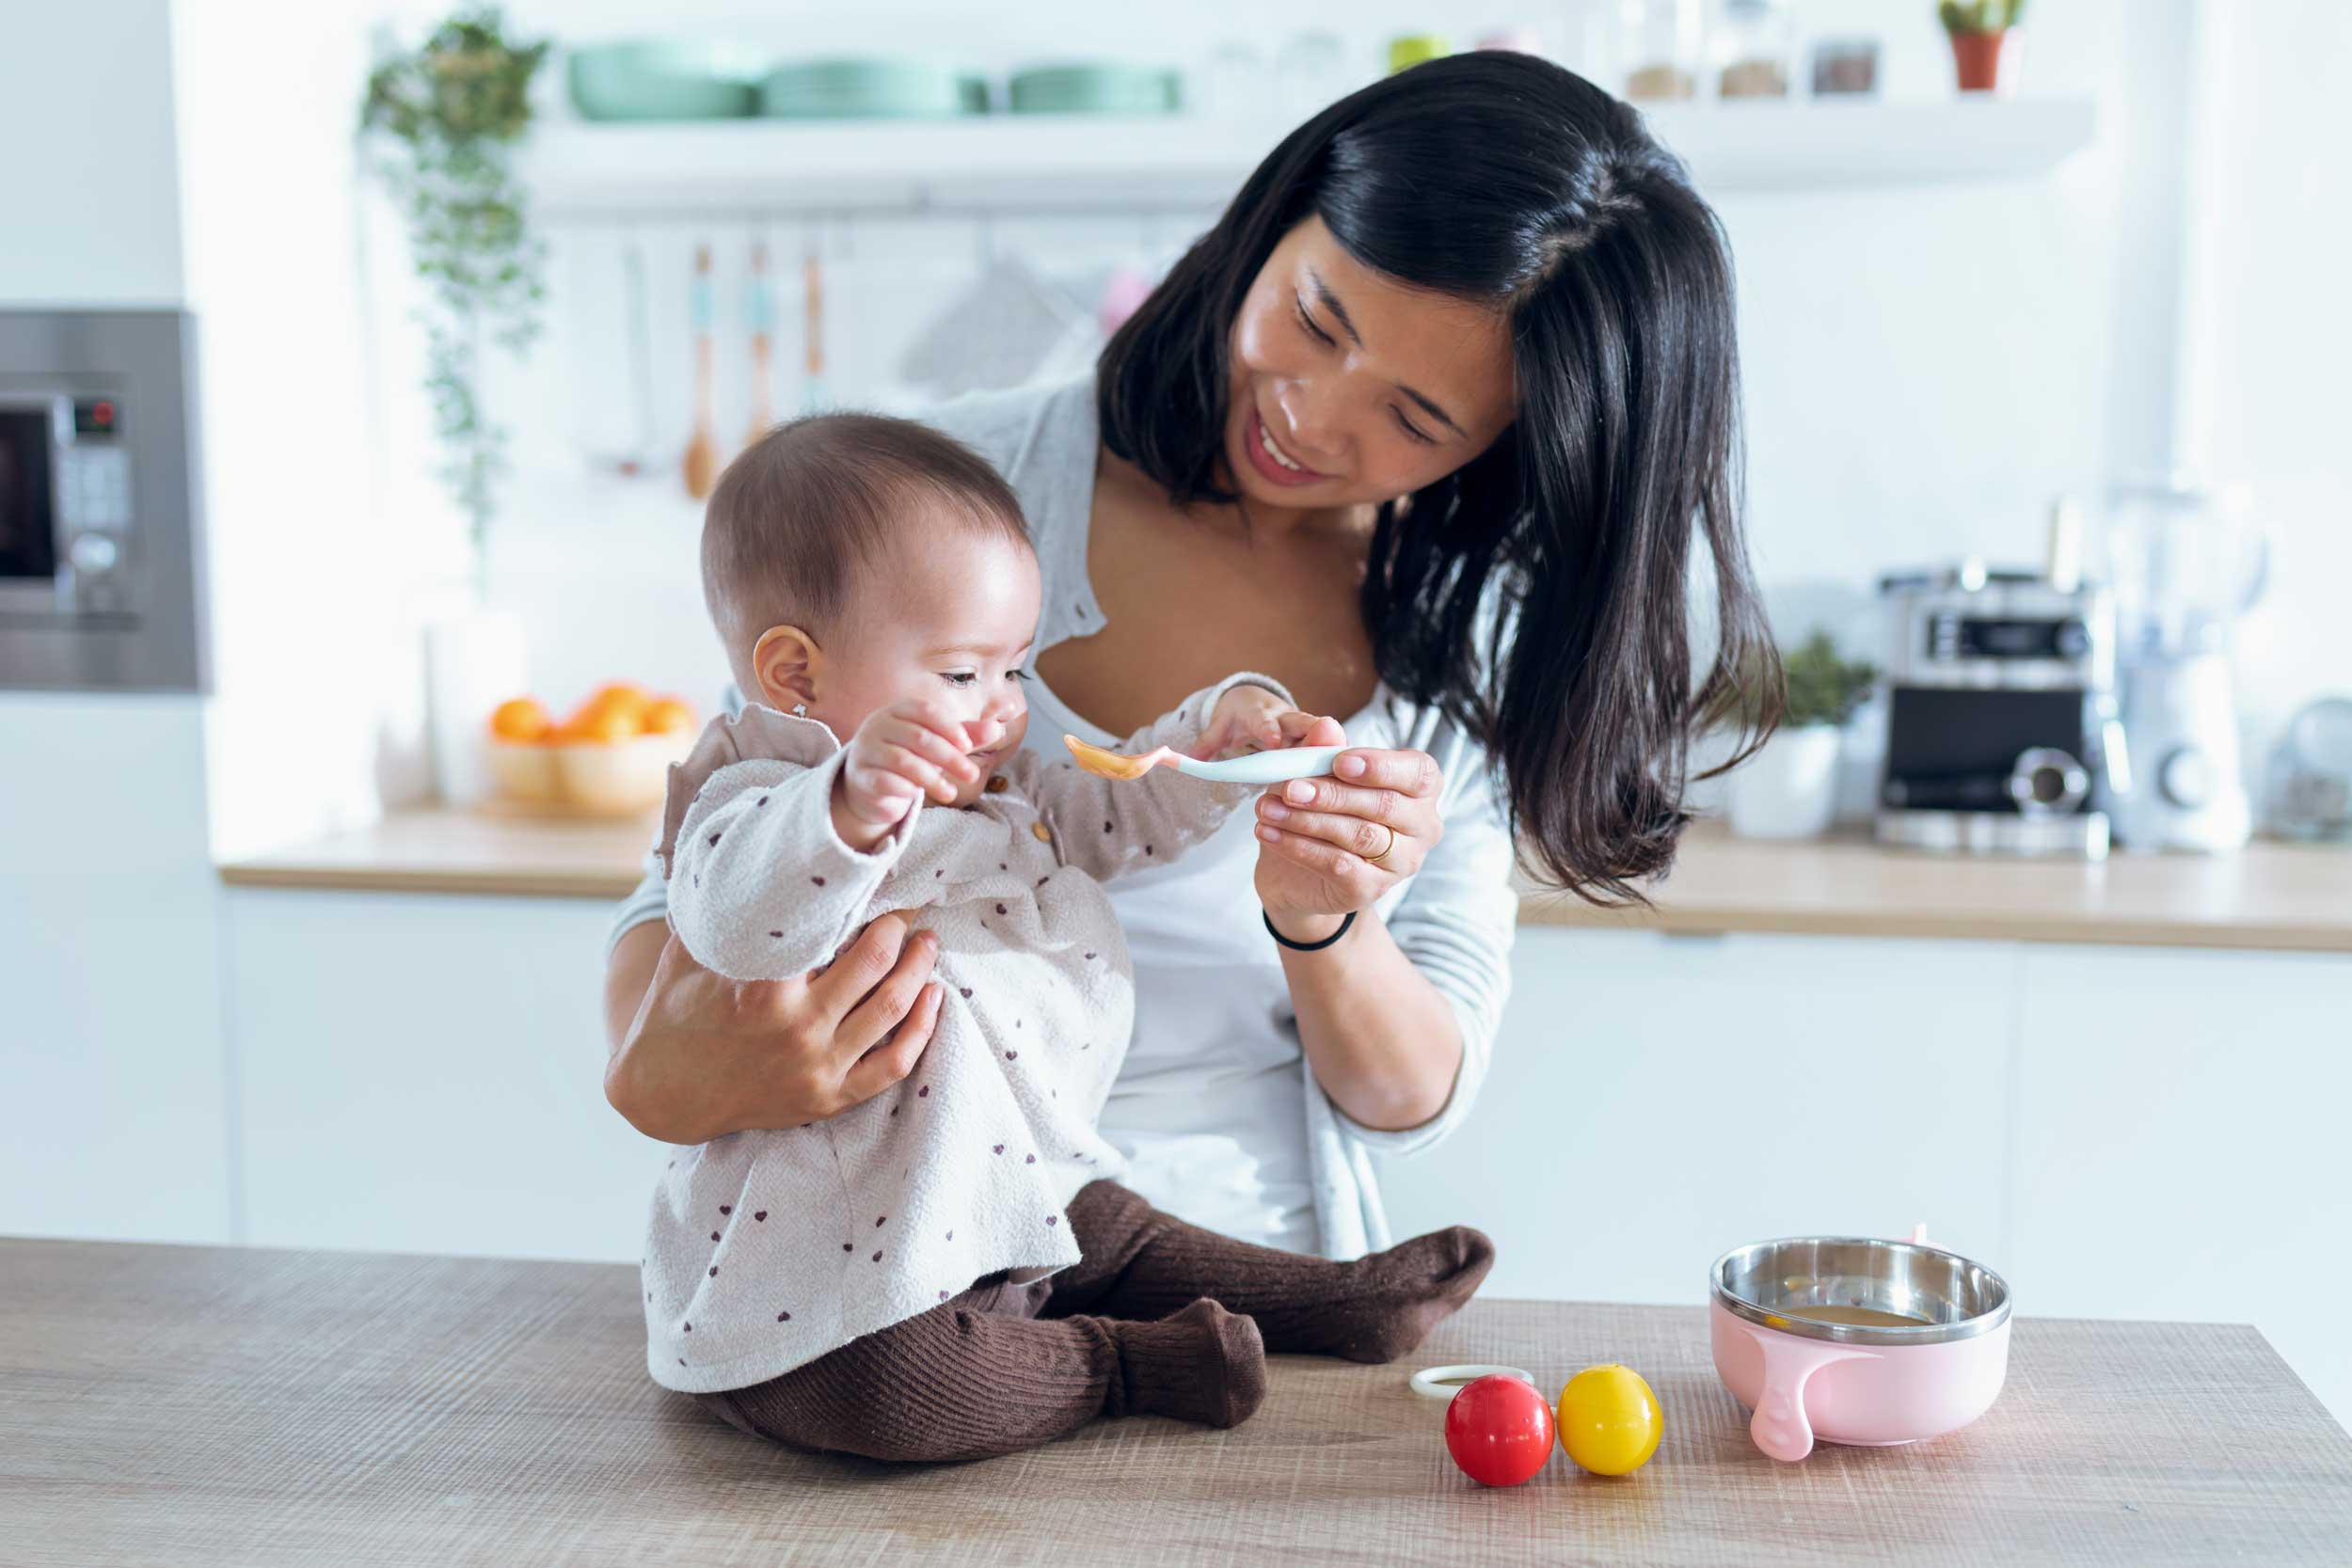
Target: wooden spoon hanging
(702, 452)
(763, 310)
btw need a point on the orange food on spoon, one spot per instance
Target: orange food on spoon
(522, 719)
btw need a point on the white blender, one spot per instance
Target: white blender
(2186, 564)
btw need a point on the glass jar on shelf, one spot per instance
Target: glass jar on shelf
(1312, 71)
(1752, 42)
(1659, 47)
(1235, 84)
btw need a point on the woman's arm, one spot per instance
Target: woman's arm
(1382, 1042)
(695, 1056)
(627, 976)
(1397, 1019)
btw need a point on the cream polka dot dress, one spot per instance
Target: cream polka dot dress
(767, 1249)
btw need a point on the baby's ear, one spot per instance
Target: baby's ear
(790, 666)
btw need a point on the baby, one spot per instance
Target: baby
(950, 1270)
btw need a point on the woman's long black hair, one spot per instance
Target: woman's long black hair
(1538, 595)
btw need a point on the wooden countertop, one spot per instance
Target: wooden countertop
(2271, 895)
(216, 1405)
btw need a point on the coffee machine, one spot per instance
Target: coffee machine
(2001, 712)
(2186, 563)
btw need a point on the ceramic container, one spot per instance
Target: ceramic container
(1855, 1383)
(1987, 62)
(1100, 88)
(869, 89)
(659, 79)
(1789, 789)
(474, 660)
(619, 778)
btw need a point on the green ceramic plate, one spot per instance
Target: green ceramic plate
(663, 79)
(867, 90)
(1097, 90)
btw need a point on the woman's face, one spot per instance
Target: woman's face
(1351, 388)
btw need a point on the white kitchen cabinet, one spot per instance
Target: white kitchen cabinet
(2123, 1133)
(2184, 1144)
(113, 1071)
(422, 1073)
(1655, 1101)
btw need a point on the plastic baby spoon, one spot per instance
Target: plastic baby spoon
(1257, 768)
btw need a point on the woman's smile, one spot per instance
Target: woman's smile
(1268, 456)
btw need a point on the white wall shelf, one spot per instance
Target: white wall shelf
(1087, 163)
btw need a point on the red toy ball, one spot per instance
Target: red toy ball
(1497, 1430)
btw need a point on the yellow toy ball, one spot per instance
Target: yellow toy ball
(1609, 1422)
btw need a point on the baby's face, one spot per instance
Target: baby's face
(950, 618)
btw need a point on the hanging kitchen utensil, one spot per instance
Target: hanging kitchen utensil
(702, 452)
(640, 331)
(812, 327)
(627, 356)
(760, 305)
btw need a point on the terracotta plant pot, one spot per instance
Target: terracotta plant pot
(1979, 57)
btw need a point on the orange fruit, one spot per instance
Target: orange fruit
(668, 716)
(624, 697)
(523, 719)
(593, 727)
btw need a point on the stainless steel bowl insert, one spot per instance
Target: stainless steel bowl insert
(1954, 1298)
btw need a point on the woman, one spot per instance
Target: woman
(1424, 425)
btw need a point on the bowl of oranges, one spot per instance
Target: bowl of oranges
(610, 758)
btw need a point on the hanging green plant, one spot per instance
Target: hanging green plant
(446, 120)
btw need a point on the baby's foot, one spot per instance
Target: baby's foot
(1385, 1304)
(1203, 1364)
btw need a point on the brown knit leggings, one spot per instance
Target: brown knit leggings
(1126, 1330)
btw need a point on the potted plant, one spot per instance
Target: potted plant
(1982, 32)
(1789, 789)
(443, 122)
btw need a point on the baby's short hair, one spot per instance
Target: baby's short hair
(807, 508)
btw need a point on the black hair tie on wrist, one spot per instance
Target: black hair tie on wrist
(1307, 946)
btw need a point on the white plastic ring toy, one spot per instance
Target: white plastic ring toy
(1443, 1383)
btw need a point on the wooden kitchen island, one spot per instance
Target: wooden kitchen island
(193, 1405)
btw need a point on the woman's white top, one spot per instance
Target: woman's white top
(1218, 1117)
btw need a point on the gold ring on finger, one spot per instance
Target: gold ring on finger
(1375, 860)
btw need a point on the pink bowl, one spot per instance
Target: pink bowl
(1857, 1384)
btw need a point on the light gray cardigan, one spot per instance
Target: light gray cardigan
(1455, 919)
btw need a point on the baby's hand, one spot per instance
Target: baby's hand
(1250, 717)
(899, 755)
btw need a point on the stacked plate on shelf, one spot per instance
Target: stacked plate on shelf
(869, 89)
(658, 79)
(1094, 89)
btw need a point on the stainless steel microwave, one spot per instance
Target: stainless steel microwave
(101, 548)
